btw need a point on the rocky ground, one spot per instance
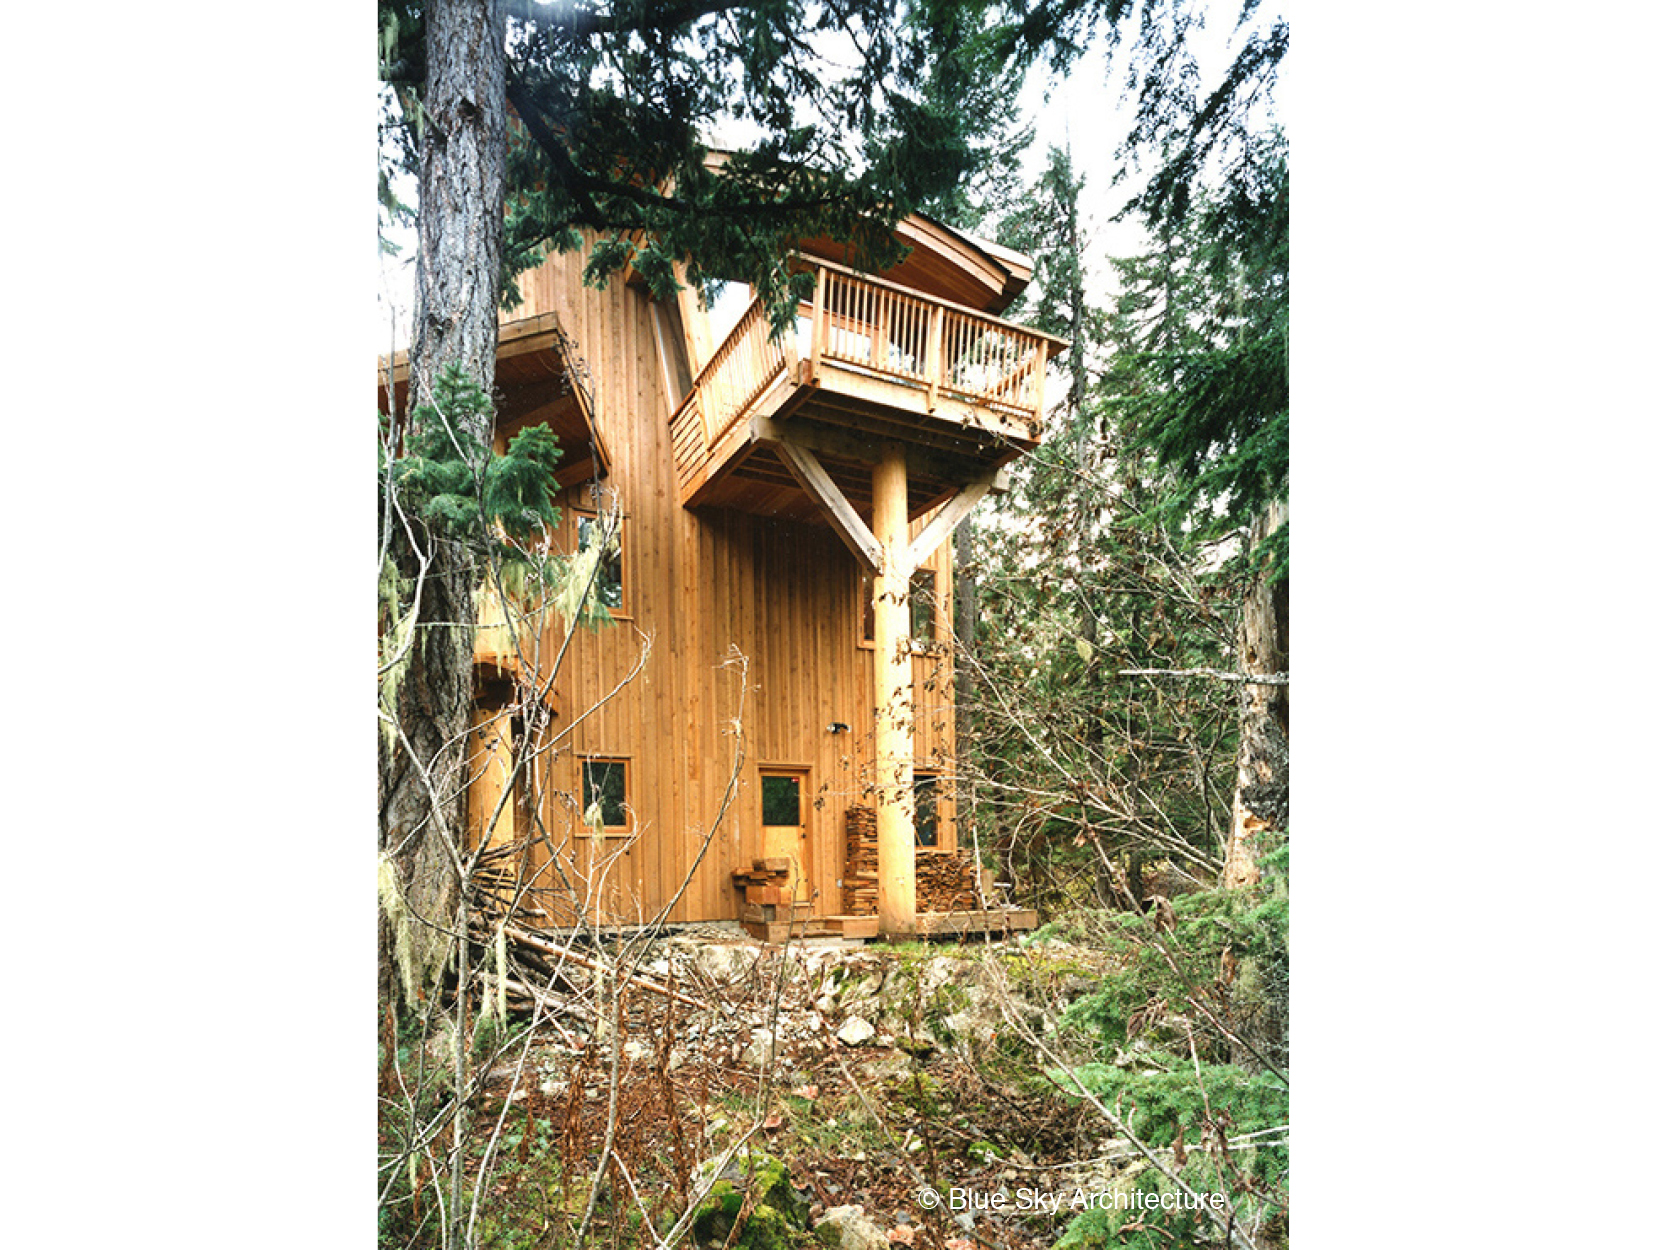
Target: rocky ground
(831, 1082)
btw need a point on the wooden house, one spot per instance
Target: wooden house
(784, 500)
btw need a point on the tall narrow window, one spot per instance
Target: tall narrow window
(610, 572)
(923, 605)
(673, 351)
(865, 608)
(604, 790)
(927, 794)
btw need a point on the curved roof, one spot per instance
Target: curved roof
(946, 262)
(943, 261)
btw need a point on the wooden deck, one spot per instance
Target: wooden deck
(870, 363)
(867, 928)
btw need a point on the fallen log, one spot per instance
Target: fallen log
(524, 937)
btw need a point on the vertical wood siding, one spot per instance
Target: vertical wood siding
(700, 584)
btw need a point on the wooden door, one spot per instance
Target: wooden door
(786, 820)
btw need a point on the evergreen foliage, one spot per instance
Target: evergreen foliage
(1208, 393)
(837, 119)
(1181, 1042)
(1082, 577)
(1103, 558)
(450, 478)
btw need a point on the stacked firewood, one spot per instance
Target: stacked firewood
(767, 883)
(944, 880)
(860, 895)
(497, 881)
(768, 909)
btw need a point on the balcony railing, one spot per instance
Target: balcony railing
(930, 343)
(867, 326)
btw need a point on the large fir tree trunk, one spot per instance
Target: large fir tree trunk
(460, 225)
(1261, 799)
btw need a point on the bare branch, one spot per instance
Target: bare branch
(1243, 679)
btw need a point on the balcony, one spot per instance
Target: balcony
(869, 363)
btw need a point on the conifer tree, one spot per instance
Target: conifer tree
(1214, 415)
(459, 259)
(1100, 772)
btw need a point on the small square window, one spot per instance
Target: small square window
(923, 606)
(604, 787)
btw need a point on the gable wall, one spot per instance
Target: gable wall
(700, 584)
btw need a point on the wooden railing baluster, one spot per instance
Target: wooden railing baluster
(876, 327)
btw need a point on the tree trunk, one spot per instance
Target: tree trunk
(460, 226)
(461, 204)
(1261, 798)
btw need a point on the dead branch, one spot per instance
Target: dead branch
(1243, 679)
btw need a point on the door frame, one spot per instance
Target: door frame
(805, 855)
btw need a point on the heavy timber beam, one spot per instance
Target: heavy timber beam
(894, 738)
(808, 470)
(941, 526)
(846, 444)
(799, 455)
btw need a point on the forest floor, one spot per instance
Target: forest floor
(702, 1090)
(930, 1088)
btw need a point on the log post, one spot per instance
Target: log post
(894, 749)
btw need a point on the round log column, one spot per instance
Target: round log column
(894, 719)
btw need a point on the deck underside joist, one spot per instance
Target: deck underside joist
(746, 469)
(534, 385)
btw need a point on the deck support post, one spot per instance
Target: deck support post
(894, 739)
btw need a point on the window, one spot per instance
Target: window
(604, 788)
(923, 606)
(865, 608)
(610, 575)
(780, 797)
(927, 794)
(673, 351)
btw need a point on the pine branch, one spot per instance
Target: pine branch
(584, 185)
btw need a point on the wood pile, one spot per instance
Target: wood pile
(539, 969)
(860, 895)
(766, 883)
(768, 909)
(944, 880)
(497, 882)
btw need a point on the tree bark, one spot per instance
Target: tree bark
(461, 204)
(459, 260)
(1261, 798)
